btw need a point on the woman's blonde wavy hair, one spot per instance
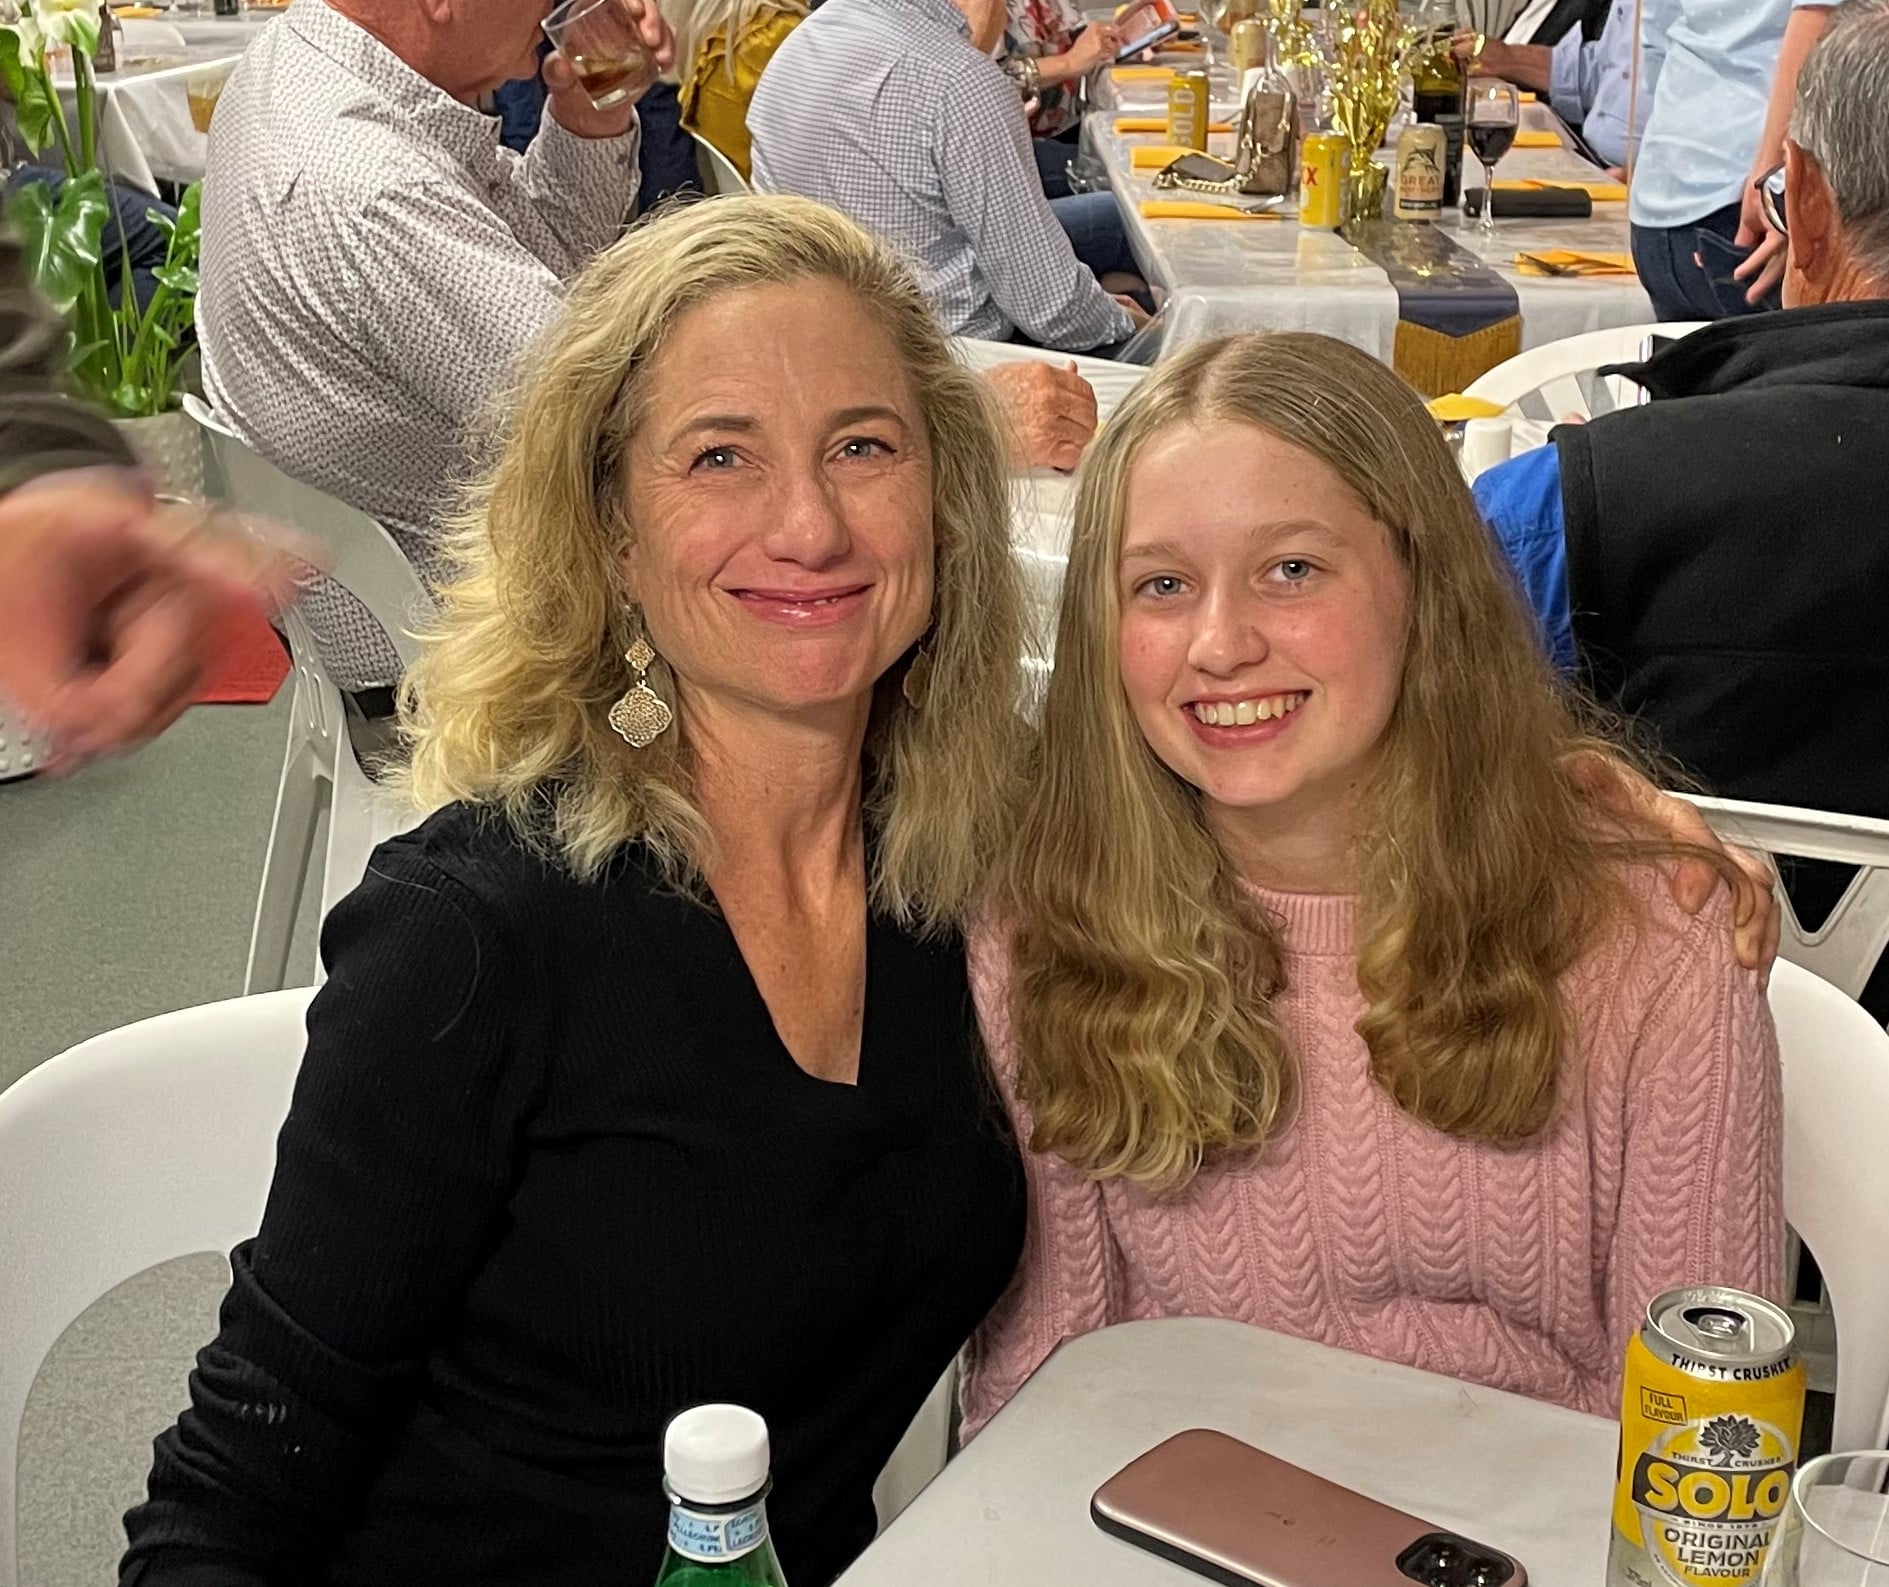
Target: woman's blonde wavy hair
(508, 705)
(1144, 978)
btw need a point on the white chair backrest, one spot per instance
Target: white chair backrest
(1836, 1181)
(362, 557)
(718, 172)
(145, 1144)
(1845, 948)
(1546, 385)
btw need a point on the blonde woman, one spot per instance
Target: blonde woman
(646, 1072)
(1325, 994)
(722, 47)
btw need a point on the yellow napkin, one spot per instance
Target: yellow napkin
(1191, 209)
(1159, 124)
(1155, 156)
(1140, 74)
(1526, 98)
(1180, 47)
(1453, 408)
(1601, 190)
(1574, 261)
(1536, 138)
(135, 13)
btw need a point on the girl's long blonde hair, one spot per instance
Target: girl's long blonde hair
(508, 705)
(1144, 976)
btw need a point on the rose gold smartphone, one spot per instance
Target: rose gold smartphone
(1237, 1515)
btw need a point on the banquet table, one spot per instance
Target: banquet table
(146, 134)
(1012, 1510)
(1239, 275)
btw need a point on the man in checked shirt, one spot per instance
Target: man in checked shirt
(895, 113)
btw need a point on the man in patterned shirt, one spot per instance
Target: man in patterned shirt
(374, 261)
(894, 112)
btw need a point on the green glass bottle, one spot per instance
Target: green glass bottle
(715, 1465)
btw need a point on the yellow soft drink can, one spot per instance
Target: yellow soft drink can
(1324, 158)
(1190, 96)
(1711, 1408)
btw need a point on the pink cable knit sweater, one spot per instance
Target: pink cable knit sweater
(1525, 1268)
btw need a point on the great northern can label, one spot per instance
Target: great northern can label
(1712, 1403)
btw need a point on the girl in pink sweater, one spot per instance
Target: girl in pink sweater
(1326, 995)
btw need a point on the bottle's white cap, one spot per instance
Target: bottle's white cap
(716, 1454)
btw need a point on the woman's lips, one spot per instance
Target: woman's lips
(803, 608)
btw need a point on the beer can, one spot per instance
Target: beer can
(1246, 45)
(1324, 158)
(1711, 1407)
(1189, 108)
(1421, 156)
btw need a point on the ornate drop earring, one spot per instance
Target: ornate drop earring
(640, 717)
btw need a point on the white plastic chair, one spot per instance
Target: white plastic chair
(1845, 948)
(718, 172)
(139, 1146)
(319, 767)
(1836, 1181)
(1546, 385)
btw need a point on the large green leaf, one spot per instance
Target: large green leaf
(32, 103)
(63, 238)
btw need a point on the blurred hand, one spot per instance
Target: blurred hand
(1664, 818)
(1765, 268)
(110, 607)
(568, 100)
(1469, 46)
(1095, 46)
(1051, 410)
(1135, 311)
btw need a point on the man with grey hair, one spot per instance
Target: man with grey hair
(1716, 559)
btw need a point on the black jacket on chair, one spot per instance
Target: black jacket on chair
(1728, 556)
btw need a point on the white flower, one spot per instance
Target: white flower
(32, 42)
(73, 23)
(9, 13)
(46, 10)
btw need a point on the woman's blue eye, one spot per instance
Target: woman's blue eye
(865, 446)
(717, 457)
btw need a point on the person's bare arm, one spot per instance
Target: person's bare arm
(1765, 268)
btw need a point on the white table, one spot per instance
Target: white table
(1013, 1509)
(146, 134)
(1223, 277)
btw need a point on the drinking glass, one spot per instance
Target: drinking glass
(599, 39)
(1491, 116)
(1835, 1530)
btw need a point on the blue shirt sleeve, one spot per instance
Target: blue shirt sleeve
(1521, 502)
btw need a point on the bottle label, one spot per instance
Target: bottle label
(723, 1535)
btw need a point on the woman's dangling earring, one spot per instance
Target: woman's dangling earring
(640, 717)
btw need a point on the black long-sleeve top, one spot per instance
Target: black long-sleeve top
(549, 1177)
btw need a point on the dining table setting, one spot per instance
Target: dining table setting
(1441, 300)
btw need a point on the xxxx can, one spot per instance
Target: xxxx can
(1712, 1403)
(1189, 109)
(1324, 159)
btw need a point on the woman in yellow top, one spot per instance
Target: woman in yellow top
(722, 47)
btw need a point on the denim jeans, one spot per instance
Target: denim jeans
(1052, 163)
(1096, 232)
(1687, 270)
(667, 154)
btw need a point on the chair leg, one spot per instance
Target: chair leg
(285, 871)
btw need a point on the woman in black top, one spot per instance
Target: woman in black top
(645, 1076)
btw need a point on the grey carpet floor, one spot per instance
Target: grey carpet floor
(126, 892)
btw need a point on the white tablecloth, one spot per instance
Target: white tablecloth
(1013, 1510)
(1275, 275)
(145, 131)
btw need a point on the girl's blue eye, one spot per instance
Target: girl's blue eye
(1294, 570)
(1162, 585)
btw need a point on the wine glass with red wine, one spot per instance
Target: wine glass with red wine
(1491, 115)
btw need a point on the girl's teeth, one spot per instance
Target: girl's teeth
(1243, 713)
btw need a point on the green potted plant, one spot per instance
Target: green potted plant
(125, 359)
